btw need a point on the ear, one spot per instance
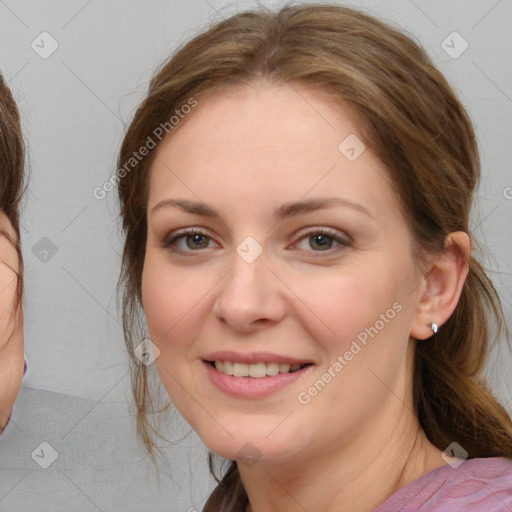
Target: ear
(443, 284)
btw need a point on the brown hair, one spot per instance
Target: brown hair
(413, 121)
(12, 176)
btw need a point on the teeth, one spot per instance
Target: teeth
(257, 370)
(228, 368)
(240, 370)
(272, 369)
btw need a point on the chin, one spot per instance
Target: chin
(249, 446)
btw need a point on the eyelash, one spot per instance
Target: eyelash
(170, 242)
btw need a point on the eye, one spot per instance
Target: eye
(322, 240)
(186, 241)
(194, 240)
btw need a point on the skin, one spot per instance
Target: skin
(11, 325)
(245, 152)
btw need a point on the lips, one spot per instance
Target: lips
(253, 358)
(254, 375)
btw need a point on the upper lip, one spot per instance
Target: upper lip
(253, 357)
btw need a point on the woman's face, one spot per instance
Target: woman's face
(275, 239)
(11, 324)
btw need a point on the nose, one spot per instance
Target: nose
(250, 297)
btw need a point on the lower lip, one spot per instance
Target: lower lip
(249, 387)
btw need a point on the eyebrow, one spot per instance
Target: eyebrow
(285, 210)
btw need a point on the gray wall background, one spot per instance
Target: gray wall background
(75, 104)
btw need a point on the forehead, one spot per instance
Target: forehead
(264, 115)
(266, 140)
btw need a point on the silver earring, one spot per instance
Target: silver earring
(434, 327)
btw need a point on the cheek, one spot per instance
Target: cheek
(168, 299)
(343, 303)
(366, 303)
(164, 299)
(172, 301)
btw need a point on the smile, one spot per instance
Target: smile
(255, 370)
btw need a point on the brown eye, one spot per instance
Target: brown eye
(322, 240)
(196, 241)
(187, 242)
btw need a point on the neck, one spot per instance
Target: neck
(354, 478)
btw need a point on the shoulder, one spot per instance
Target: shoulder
(481, 484)
(494, 465)
(476, 485)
